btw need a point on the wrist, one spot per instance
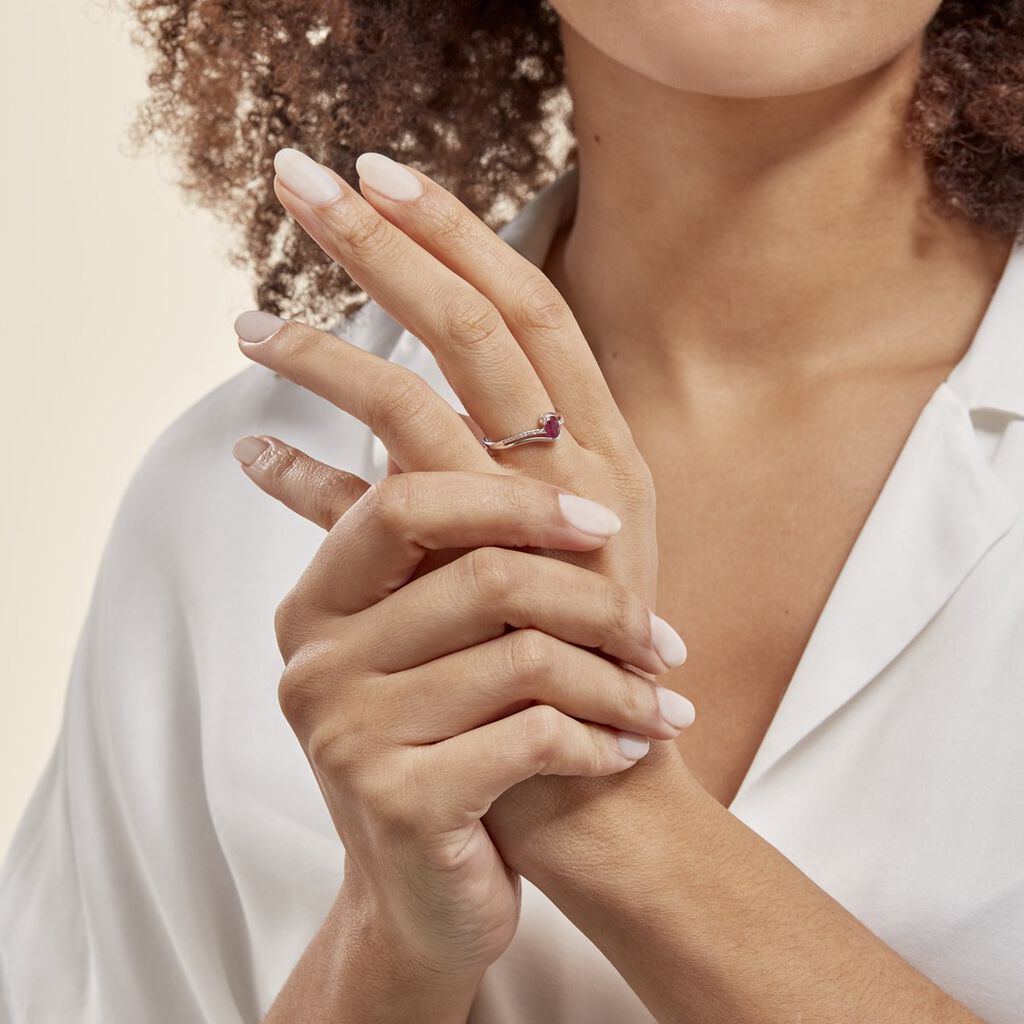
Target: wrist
(399, 983)
(627, 825)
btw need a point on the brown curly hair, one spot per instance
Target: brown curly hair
(472, 92)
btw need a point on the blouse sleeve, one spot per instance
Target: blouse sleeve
(107, 912)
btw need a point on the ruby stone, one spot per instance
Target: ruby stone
(552, 427)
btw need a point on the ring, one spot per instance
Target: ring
(548, 428)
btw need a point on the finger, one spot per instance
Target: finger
(475, 350)
(393, 466)
(473, 769)
(495, 679)
(475, 597)
(318, 492)
(397, 404)
(377, 546)
(530, 305)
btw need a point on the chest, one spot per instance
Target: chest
(755, 522)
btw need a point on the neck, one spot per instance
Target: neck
(772, 236)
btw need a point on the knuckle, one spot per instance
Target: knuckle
(296, 692)
(449, 224)
(392, 501)
(631, 476)
(622, 610)
(488, 571)
(368, 237)
(636, 695)
(314, 678)
(328, 492)
(286, 624)
(284, 463)
(470, 320)
(333, 496)
(401, 397)
(330, 751)
(300, 342)
(520, 498)
(543, 728)
(397, 798)
(538, 306)
(530, 655)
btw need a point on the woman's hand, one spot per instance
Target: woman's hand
(500, 331)
(511, 349)
(417, 710)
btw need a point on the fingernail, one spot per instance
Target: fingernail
(305, 177)
(632, 746)
(668, 644)
(675, 708)
(588, 516)
(248, 449)
(255, 325)
(388, 178)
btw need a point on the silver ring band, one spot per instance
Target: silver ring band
(549, 426)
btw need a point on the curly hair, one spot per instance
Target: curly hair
(472, 92)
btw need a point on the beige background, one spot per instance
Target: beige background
(117, 305)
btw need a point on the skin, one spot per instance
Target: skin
(687, 385)
(725, 49)
(788, 306)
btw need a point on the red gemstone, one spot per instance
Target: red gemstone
(552, 427)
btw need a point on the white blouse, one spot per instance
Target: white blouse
(177, 856)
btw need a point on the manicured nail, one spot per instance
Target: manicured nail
(388, 178)
(588, 516)
(305, 177)
(675, 708)
(255, 325)
(668, 644)
(632, 746)
(248, 449)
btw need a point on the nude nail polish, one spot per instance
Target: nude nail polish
(668, 644)
(588, 516)
(390, 179)
(305, 177)
(632, 746)
(675, 708)
(248, 449)
(255, 325)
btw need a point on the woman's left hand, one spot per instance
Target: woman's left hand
(511, 350)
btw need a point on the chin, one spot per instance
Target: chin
(748, 48)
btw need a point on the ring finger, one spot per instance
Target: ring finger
(493, 680)
(478, 595)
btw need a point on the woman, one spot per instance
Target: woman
(744, 292)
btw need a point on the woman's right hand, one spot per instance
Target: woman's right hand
(415, 706)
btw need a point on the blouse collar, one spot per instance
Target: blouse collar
(990, 375)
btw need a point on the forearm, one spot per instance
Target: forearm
(707, 922)
(350, 974)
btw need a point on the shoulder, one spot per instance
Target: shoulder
(188, 491)
(188, 488)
